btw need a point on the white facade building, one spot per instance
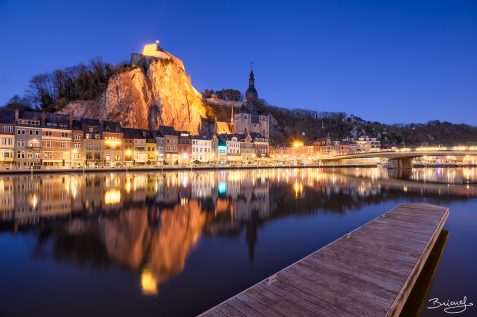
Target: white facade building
(366, 144)
(202, 149)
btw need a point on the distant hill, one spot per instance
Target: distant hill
(290, 124)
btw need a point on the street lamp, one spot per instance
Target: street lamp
(297, 144)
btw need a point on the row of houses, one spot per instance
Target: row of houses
(327, 147)
(33, 138)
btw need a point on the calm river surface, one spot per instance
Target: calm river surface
(178, 243)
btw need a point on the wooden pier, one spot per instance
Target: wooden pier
(368, 272)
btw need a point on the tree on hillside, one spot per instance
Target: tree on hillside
(230, 95)
(18, 103)
(52, 91)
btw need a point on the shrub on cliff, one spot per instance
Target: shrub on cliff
(52, 91)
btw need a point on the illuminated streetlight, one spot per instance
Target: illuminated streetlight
(297, 144)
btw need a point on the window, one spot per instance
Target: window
(77, 137)
(37, 132)
(65, 135)
(48, 133)
(77, 145)
(64, 145)
(8, 129)
(48, 144)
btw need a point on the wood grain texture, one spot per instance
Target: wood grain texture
(367, 272)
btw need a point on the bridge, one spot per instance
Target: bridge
(401, 158)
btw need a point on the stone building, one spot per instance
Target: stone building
(77, 150)
(260, 145)
(366, 144)
(28, 139)
(247, 148)
(202, 149)
(7, 137)
(92, 142)
(184, 147)
(250, 118)
(56, 140)
(171, 140)
(134, 146)
(160, 146)
(153, 52)
(113, 143)
(151, 148)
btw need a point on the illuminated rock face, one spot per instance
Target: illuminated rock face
(161, 251)
(159, 94)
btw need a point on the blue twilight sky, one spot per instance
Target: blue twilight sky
(392, 61)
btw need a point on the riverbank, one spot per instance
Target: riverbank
(171, 168)
(204, 167)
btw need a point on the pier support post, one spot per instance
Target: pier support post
(401, 163)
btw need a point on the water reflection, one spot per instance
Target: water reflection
(149, 223)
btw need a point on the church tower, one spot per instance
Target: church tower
(249, 118)
(251, 95)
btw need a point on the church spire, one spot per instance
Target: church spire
(251, 78)
(251, 94)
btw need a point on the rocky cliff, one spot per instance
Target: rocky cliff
(160, 93)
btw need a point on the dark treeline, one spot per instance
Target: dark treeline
(225, 94)
(52, 91)
(288, 125)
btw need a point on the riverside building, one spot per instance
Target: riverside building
(7, 137)
(32, 139)
(28, 140)
(56, 140)
(250, 118)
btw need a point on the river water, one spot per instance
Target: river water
(178, 243)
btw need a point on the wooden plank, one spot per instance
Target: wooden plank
(229, 310)
(368, 272)
(256, 305)
(242, 307)
(334, 293)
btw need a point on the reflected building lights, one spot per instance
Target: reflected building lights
(157, 218)
(148, 282)
(112, 197)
